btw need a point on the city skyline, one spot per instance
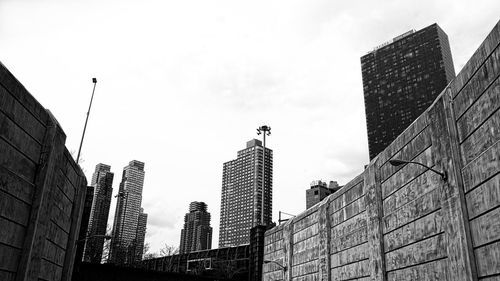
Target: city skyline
(296, 68)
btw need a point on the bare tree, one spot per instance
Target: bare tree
(168, 250)
(146, 254)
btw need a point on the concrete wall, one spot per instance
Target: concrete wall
(41, 189)
(407, 223)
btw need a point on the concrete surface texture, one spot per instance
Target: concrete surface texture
(41, 189)
(406, 222)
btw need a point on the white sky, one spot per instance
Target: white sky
(182, 85)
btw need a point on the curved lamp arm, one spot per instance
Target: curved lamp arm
(397, 162)
(277, 263)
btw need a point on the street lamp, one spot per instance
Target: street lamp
(398, 162)
(283, 267)
(282, 220)
(264, 130)
(94, 80)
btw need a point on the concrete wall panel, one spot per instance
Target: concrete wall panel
(485, 228)
(350, 255)
(484, 198)
(422, 206)
(351, 271)
(432, 271)
(9, 259)
(14, 209)
(16, 186)
(482, 168)
(487, 259)
(425, 183)
(486, 135)
(11, 233)
(476, 86)
(486, 105)
(7, 276)
(18, 138)
(348, 226)
(422, 228)
(409, 151)
(426, 250)
(17, 113)
(407, 173)
(23, 166)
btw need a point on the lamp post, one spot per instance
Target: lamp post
(264, 130)
(283, 267)
(282, 220)
(94, 80)
(398, 162)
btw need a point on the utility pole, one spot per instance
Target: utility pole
(264, 130)
(94, 80)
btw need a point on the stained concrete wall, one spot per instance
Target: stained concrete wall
(407, 223)
(41, 189)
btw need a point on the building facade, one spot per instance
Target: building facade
(197, 233)
(124, 243)
(241, 197)
(102, 181)
(319, 190)
(141, 234)
(401, 78)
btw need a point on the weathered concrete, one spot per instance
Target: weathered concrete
(41, 189)
(407, 223)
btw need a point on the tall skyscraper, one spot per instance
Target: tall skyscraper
(241, 198)
(102, 181)
(197, 233)
(401, 78)
(124, 243)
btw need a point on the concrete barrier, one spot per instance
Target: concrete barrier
(406, 222)
(41, 189)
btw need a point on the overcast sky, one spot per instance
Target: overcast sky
(182, 85)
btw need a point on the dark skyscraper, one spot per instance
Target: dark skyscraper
(241, 194)
(197, 233)
(141, 234)
(401, 78)
(102, 181)
(124, 244)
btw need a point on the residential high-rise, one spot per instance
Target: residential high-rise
(241, 202)
(141, 233)
(124, 243)
(401, 78)
(197, 233)
(102, 181)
